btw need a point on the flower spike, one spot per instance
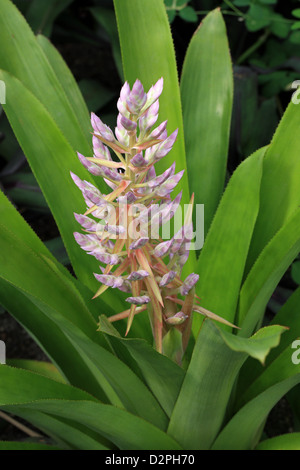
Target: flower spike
(123, 228)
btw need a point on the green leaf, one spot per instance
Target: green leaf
(126, 431)
(34, 387)
(188, 14)
(43, 368)
(296, 12)
(258, 17)
(296, 25)
(260, 344)
(289, 441)
(267, 272)
(223, 257)
(243, 430)
(207, 95)
(279, 27)
(21, 55)
(147, 24)
(280, 183)
(215, 363)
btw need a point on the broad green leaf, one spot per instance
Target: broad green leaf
(215, 363)
(34, 387)
(163, 377)
(260, 344)
(68, 83)
(207, 95)
(40, 367)
(9, 445)
(280, 183)
(21, 55)
(289, 441)
(126, 431)
(148, 54)
(243, 431)
(223, 257)
(267, 272)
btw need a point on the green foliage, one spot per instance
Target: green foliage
(181, 8)
(104, 391)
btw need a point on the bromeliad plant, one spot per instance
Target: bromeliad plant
(102, 389)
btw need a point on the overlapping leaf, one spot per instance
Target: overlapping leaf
(222, 260)
(215, 363)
